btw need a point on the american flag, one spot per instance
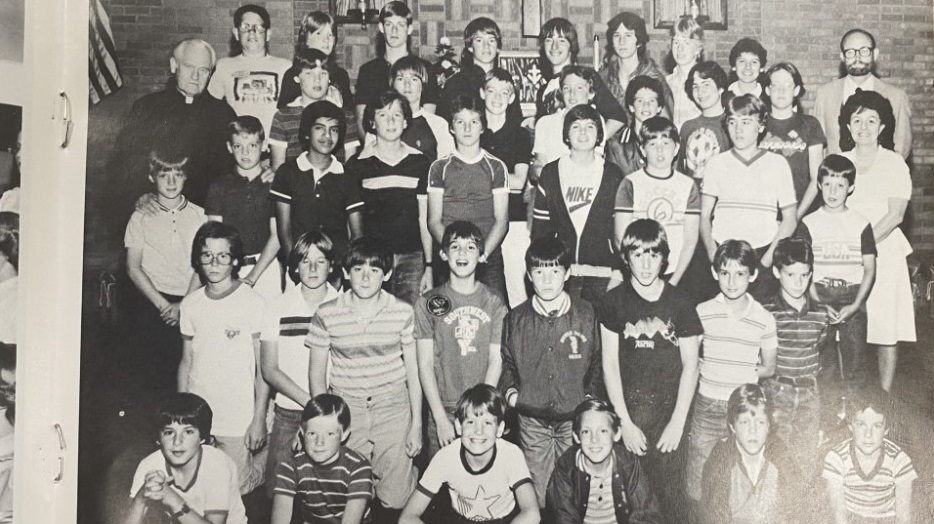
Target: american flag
(104, 70)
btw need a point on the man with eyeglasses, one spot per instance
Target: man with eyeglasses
(183, 113)
(251, 81)
(859, 53)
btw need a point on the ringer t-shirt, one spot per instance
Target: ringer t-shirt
(468, 186)
(840, 241)
(324, 489)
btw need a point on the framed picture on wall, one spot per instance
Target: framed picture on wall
(531, 18)
(710, 14)
(526, 74)
(356, 11)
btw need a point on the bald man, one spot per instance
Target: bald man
(184, 115)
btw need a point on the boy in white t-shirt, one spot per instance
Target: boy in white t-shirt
(220, 326)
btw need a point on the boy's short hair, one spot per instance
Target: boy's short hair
(315, 111)
(9, 237)
(250, 8)
(219, 230)
(325, 405)
(469, 102)
(547, 252)
(705, 70)
(747, 105)
(589, 75)
(245, 125)
(168, 155)
(632, 22)
(648, 236)
(186, 408)
(870, 396)
(688, 26)
(659, 127)
(558, 27)
(746, 398)
(738, 251)
(310, 24)
(409, 64)
(837, 165)
(479, 399)
(594, 405)
(310, 59)
(461, 229)
(644, 82)
(793, 250)
(302, 246)
(748, 45)
(581, 112)
(385, 100)
(500, 74)
(368, 250)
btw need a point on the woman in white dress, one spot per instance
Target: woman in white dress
(881, 194)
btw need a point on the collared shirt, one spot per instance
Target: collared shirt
(244, 204)
(800, 336)
(850, 87)
(165, 240)
(284, 129)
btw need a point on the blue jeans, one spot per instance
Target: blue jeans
(431, 428)
(708, 425)
(796, 421)
(543, 442)
(407, 271)
(493, 273)
(285, 427)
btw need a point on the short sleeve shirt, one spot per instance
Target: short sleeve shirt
(165, 240)
(791, 138)
(513, 145)
(215, 489)
(284, 129)
(840, 241)
(468, 186)
(462, 328)
(251, 85)
(324, 489)
(702, 138)
(245, 205)
(478, 496)
(887, 178)
(222, 330)
(870, 495)
(749, 194)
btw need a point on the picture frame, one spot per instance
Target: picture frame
(353, 11)
(710, 14)
(525, 68)
(531, 18)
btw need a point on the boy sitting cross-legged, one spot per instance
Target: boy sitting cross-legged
(599, 480)
(220, 325)
(458, 330)
(368, 335)
(551, 360)
(332, 482)
(187, 479)
(487, 477)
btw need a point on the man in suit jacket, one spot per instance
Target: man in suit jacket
(859, 52)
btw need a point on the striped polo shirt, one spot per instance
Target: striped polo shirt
(324, 489)
(800, 335)
(870, 495)
(731, 345)
(366, 353)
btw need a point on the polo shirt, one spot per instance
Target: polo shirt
(800, 336)
(373, 80)
(165, 239)
(284, 130)
(512, 144)
(731, 345)
(366, 353)
(468, 186)
(245, 205)
(390, 194)
(324, 489)
(318, 200)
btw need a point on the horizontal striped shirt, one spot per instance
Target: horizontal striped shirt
(324, 490)
(731, 345)
(800, 336)
(366, 353)
(870, 495)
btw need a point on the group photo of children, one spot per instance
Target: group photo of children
(670, 292)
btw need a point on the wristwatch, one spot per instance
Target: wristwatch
(184, 510)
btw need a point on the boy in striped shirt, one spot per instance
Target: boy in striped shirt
(334, 483)
(739, 347)
(868, 476)
(802, 329)
(369, 336)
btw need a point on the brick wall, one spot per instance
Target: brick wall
(806, 33)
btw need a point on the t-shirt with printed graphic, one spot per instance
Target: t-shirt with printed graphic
(840, 241)
(478, 496)
(462, 328)
(702, 138)
(791, 138)
(665, 200)
(649, 354)
(250, 84)
(579, 185)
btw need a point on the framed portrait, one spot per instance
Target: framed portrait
(526, 74)
(710, 14)
(356, 11)
(531, 18)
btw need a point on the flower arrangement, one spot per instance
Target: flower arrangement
(447, 64)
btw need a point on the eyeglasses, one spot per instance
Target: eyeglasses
(223, 259)
(247, 28)
(864, 52)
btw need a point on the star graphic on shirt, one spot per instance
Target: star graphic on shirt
(477, 508)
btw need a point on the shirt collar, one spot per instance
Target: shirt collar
(780, 300)
(296, 103)
(177, 208)
(562, 310)
(850, 87)
(722, 300)
(370, 150)
(383, 299)
(467, 160)
(305, 165)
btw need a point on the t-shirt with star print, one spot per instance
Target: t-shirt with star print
(791, 138)
(478, 496)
